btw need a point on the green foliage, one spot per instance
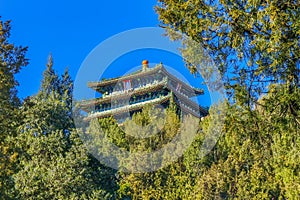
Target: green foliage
(51, 108)
(54, 85)
(50, 82)
(45, 116)
(253, 43)
(57, 166)
(53, 161)
(170, 181)
(258, 156)
(12, 58)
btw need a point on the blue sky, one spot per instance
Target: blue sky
(70, 30)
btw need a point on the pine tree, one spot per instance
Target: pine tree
(58, 166)
(51, 108)
(67, 88)
(12, 59)
(50, 83)
(55, 163)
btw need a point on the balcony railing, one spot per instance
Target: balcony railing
(133, 106)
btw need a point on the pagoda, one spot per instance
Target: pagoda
(125, 95)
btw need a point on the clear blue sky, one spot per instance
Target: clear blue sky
(70, 30)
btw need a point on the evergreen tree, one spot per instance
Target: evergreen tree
(12, 59)
(50, 83)
(67, 88)
(57, 166)
(54, 163)
(51, 108)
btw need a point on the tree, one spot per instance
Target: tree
(58, 166)
(254, 43)
(53, 84)
(171, 180)
(54, 163)
(67, 88)
(50, 83)
(51, 108)
(12, 59)
(257, 156)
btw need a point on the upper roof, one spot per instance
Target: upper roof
(158, 68)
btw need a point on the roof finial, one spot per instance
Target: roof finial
(145, 64)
